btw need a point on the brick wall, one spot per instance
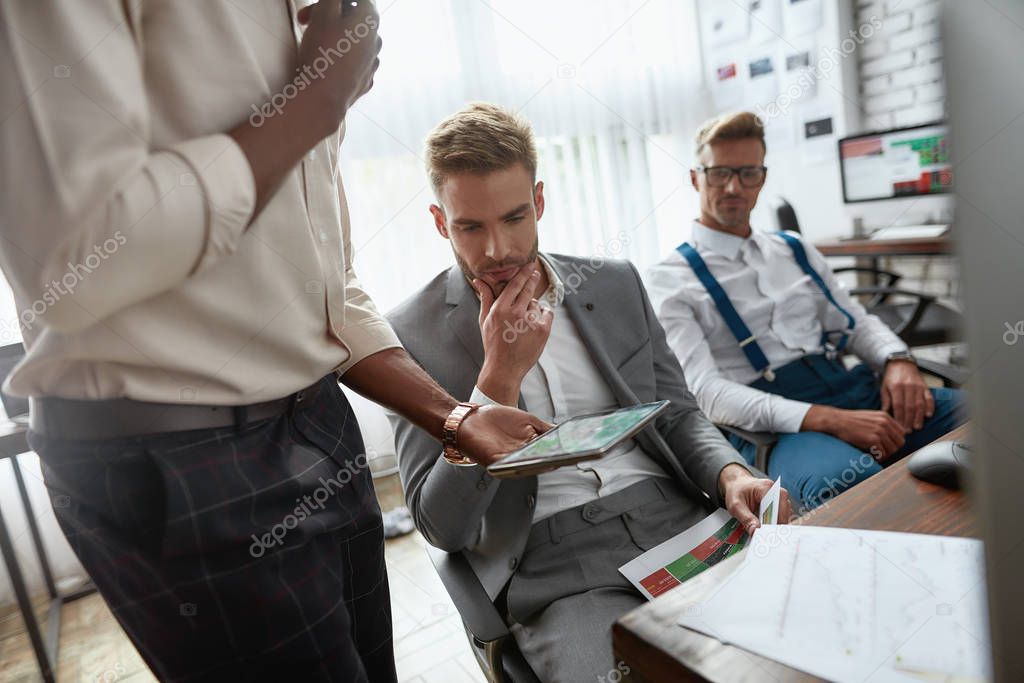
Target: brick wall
(901, 84)
(901, 63)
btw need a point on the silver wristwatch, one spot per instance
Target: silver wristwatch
(901, 355)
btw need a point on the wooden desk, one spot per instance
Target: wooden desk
(656, 649)
(918, 246)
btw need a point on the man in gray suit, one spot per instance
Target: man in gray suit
(561, 336)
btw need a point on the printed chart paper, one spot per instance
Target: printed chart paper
(685, 555)
(768, 511)
(853, 605)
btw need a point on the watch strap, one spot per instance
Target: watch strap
(450, 433)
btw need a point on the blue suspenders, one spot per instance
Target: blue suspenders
(739, 329)
(805, 265)
(744, 337)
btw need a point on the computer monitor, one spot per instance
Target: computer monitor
(903, 162)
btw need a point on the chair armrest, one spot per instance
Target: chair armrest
(478, 613)
(756, 438)
(891, 279)
(951, 375)
(763, 442)
(910, 324)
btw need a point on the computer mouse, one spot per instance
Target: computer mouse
(943, 463)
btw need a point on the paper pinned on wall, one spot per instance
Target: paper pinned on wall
(724, 23)
(801, 16)
(799, 69)
(765, 21)
(763, 81)
(817, 136)
(726, 79)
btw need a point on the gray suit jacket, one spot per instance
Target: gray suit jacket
(464, 508)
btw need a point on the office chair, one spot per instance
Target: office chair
(785, 215)
(920, 322)
(763, 443)
(492, 643)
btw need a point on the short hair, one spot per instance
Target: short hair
(733, 126)
(480, 138)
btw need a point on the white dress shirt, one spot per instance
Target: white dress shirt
(128, 231)
(784, 309)
(565, 383)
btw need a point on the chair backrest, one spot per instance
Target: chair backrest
(10, 356)
(493, 645)
(785, 215)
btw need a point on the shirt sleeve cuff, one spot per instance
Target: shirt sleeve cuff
(364, 340)
(221, 169)
(480, 397)
(878, 362)
(788, 414)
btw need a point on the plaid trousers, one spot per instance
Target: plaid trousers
(235, 554)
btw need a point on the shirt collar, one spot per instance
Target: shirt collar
(556, 289)
(722, 243)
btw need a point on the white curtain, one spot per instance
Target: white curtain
(613, 89)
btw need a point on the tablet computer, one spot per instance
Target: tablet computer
(585, 437)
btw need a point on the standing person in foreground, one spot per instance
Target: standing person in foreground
(758, 321)
(547, 548)
(177, 239)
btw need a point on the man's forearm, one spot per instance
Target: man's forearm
(393, 379)
(276, 146)
(499, 386)
(821, 418)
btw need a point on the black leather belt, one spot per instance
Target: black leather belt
(63, 418)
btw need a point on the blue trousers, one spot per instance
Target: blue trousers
(815, 466)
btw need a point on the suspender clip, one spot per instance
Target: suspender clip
(748, 340)
(768, 374)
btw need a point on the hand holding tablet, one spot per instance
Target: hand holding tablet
(585, 437)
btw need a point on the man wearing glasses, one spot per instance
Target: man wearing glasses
(759, 321)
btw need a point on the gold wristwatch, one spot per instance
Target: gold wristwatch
(450, 433)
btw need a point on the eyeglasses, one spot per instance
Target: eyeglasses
(719, 176)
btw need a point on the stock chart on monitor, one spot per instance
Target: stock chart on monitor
(906, 162)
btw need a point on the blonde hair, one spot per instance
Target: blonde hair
(479, 139)
(733, 126)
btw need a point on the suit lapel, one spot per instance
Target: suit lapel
(463, 316)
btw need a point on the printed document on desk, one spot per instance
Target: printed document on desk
(854, 605)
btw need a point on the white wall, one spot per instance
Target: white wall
(812, 187)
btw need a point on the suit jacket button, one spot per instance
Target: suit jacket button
(481, 484)
(513, 563)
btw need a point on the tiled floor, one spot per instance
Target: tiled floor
(430, 645)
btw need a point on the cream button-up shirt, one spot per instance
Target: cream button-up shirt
(126, 232)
